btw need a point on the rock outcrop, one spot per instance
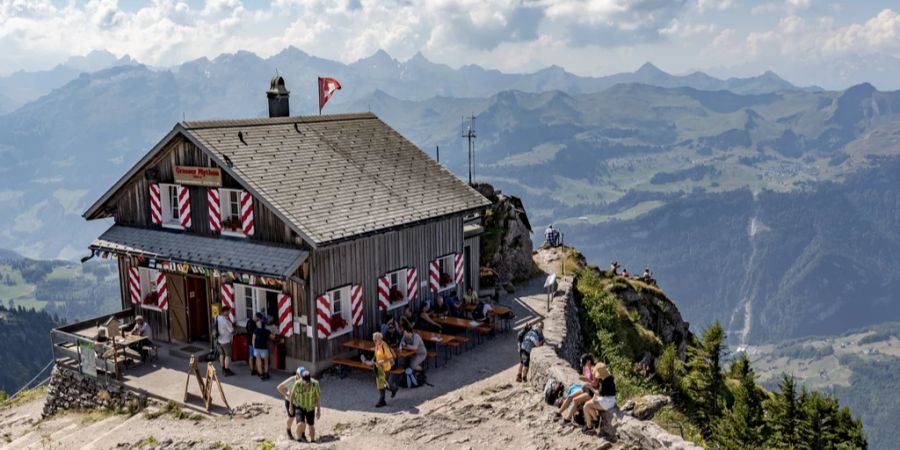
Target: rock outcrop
(506, 243)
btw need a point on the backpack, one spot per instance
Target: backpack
(522, 333)
(478, 312)
(553, 390)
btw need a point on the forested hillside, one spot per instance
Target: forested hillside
(25, 334)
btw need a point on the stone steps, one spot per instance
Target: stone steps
(93, 432)
(35, 438)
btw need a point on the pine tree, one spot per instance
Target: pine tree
(743, 427)
(783, 416)
(703, 382)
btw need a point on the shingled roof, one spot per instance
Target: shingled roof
(334, 177)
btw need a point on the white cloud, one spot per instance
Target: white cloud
(681, 29)
(28, 221)
(70, 200)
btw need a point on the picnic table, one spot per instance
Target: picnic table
(364, 346)
(369, 346)
(438, 340)
(496, 311)
(465, 324)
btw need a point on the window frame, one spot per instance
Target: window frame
(258, 300)
(451, 258)
(401, 283)
(148, 285)
(225, 205)
(346, 310)
(166, 195)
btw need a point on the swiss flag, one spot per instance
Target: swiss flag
(327, 86)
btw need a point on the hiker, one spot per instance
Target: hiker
(625, 272)
(648, 277)
(425, 321)
(250, 328)
(579, 394)
(614, 268)
(141, 327)
(284, 388)
(306, 398)
(604, 399)
(412, 340)
(406, 317)
(261, 337)
(224, 333)
(549, 235)
(392, 333)
(531, 339)
(382, 364)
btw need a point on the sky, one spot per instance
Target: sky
(586, 37)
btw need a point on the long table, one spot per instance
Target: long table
(438, 340)
(369, 346)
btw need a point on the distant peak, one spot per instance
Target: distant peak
(649, 69)
(419, 57)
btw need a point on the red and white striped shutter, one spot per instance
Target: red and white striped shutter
(134, 285)
(215, 214)
(434, 276)
(162, 292)
(285, 316)
(184, 206)
(460, 268)
(323, 311)
(384, 293)
(155, 204)
(412, 284)
(247, 213)
(356, 304)
(227, 291)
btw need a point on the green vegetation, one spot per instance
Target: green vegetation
(268, 445)
(147, 442)
(175, 410)
(26, 349)
(713, 407)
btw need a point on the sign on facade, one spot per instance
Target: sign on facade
(198, 176)
(88, 358)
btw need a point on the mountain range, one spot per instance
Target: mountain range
(735, 191)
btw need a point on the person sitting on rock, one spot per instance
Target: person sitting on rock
(647, 277)
(614, 268)
(579, 394)
(625, 273)
(604, 400)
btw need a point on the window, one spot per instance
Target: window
(148, 288)
(168, 194)
(230, 209)
(397, 282)
(250, 300)
(340, 306)
(447, 266)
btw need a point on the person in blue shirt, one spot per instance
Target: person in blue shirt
(533, 338)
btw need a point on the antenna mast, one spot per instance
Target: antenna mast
(469, 134)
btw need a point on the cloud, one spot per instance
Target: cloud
(29, 221)
(787, 6)
(168, 32)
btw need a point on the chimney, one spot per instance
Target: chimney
(278, 98)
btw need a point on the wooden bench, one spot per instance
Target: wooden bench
(343, 363)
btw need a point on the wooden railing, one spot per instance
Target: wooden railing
(66, 349)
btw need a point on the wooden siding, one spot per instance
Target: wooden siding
(363, 260)
(132, 201)
(473, 264)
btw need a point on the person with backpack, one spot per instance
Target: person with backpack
(285, 388)
(529, 338)
(382, 363)
(306, 398)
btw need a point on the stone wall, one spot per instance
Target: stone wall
(559, 359)
(70, 390)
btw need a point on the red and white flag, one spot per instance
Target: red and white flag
(327, 86)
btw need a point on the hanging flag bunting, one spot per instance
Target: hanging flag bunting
(384, 293)
(162, 293)
(285, 316)
(253, 279)
(323, 311)
(215, 217)
(434, 276)
(134, 285)
(356, 305)
(412, 284)
(327, 86)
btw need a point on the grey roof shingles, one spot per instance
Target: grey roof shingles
(334, 177)
(237, 255)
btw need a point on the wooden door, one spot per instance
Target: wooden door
(197, 309)
(178, 317)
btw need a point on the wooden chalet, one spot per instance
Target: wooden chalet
(324, 223)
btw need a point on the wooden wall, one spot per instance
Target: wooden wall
(473, 265)
(363, 260)
(132, 201)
